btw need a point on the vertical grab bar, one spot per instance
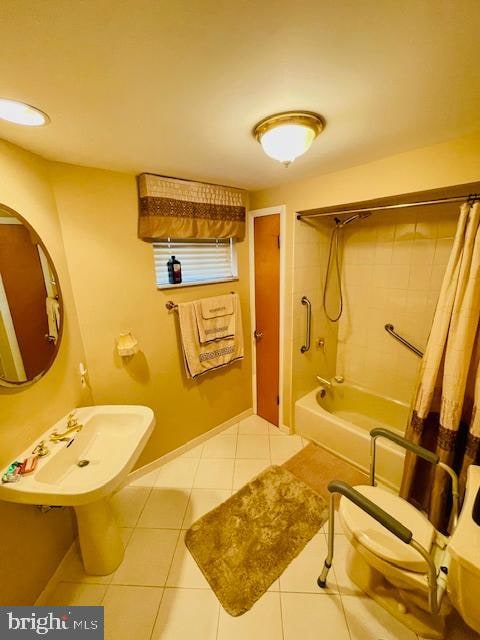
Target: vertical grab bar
(306, 346)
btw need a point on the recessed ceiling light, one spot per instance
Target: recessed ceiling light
(285, 136)
(21, 113)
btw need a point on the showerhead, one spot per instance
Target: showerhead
(357, 216)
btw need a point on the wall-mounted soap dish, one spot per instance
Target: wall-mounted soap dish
(127, 344)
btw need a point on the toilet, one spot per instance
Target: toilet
(394, 573)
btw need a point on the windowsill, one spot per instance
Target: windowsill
(194, 284)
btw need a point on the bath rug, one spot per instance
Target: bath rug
(246, 543)
(317, 467)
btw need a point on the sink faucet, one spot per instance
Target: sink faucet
(72, 426)
(329, 383)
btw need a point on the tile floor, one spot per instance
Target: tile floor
(159, 593)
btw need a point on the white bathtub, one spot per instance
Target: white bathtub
(341, 421)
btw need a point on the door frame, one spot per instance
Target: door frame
(257, 213)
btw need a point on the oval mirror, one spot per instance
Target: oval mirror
(31, 312)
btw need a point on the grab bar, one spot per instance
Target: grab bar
(306, 346)
(389, 328)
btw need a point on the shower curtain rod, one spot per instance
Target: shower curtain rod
(469, 197)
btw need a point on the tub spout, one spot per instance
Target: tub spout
(323, 382)
(329, 383)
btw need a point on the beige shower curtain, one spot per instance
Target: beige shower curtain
(445, 416)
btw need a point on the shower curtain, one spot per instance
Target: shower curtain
(446, 416)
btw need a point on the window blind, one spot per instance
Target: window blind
(201, 260)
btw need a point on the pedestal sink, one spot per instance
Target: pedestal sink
(84, 472)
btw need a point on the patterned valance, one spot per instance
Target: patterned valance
(170, 208)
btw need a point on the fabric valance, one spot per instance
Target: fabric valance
(171, 208)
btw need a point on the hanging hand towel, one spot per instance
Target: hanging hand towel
(216, 317)
(201, 358)
(53, 315)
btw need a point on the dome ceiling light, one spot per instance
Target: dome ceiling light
(22, 113)
(285, 136)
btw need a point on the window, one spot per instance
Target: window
(202, 261)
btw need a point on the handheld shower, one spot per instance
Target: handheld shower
(333, 255)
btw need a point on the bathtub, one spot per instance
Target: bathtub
(341, 421)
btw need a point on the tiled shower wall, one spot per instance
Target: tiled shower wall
(393, 266)
(310, 258)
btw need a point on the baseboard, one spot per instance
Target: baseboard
(191, 444)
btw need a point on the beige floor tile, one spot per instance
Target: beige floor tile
(338, 528)
(231, 431)
(128, 503)
(301, 574)
(214, 474)
(147, 558)
(201, 501)
(187, 614)
(77, 594)
(130, 612)
(184, 571)
(262, 622)
(344, 585)
(177, 473)
(307, 616)
(220, 447)
(165, 508)
(194, 452)
(275, 431)
(285, 447)
(253, 446)
(245, 470)
(147, 480)
(367, 619)
(275, 586)
(253, 425)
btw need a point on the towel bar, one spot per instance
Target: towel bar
(171, 306)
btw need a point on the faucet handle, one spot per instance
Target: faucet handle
(41, 449)
(72, 420)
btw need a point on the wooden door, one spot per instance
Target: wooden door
(26, 294)
(267, 314)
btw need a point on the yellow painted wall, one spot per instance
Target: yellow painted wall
(32, 543)
(114, 287)
(449, 163)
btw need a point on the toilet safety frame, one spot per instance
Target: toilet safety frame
(436, 586)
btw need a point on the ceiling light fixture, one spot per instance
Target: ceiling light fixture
(22, 113)
(285, 136)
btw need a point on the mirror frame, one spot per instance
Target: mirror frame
(8, 384)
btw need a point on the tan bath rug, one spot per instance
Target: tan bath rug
(317, 467)
(247, 542)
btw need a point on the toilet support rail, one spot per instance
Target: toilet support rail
(435, 590)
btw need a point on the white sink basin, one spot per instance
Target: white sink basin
(110, 441)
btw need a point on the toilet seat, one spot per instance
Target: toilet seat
(378, 540)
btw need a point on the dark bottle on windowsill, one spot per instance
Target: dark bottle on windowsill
(174, 271)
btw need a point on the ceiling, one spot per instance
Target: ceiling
(175, 87)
